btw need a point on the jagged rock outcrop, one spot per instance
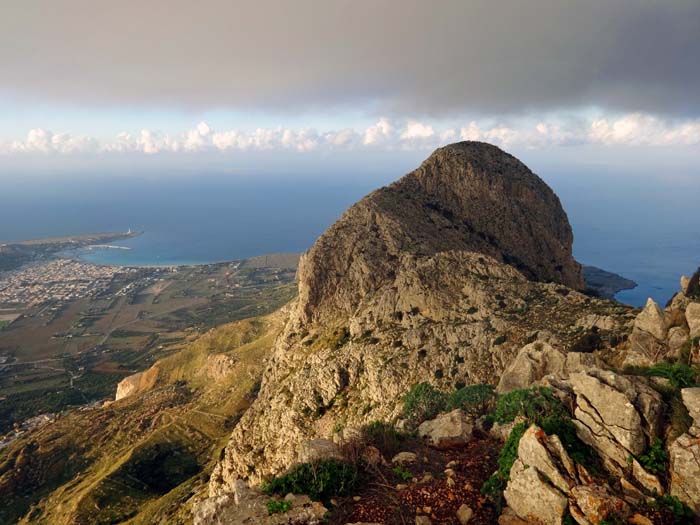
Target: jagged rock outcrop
(246, 506)
(442, 277)
(135, 383)
(684, 455)
(539, 359)
(447, 430)
(619, 416)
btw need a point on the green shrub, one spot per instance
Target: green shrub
(423, 402)
(534, 404)
(537, 405)
(321, 480)
(680, 375)
(654, 459)
(475, 400)
(278, 506)
(681, 513)
(402, 473)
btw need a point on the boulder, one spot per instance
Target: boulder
(547, 455)
(532, 498)
(602, 405)
(684, 456)
(533, 362)
(464, 514)
(447, 430)
(602, 322)
(685, 284)
(595, 504)
(619, 416)
(691, 400)
(509, 517)
(677, 340)
(652, 320)
(692, 316)
(539, 359)
(404, 458)
(318, 449)
(245, 506)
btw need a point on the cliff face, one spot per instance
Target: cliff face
(468, 196)
(441, 277)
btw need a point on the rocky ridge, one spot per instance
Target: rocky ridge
(441, 276)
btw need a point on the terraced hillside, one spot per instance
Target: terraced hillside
(138, 460)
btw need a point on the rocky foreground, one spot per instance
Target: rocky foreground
(458, 276)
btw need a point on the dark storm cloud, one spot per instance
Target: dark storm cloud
(431, 57)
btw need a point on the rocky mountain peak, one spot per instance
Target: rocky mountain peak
(468, 196)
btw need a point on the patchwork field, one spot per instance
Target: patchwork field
(57, 353)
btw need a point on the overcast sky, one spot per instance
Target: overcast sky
(101, 79)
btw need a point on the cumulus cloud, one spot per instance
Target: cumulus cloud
(45, 141)
(379, 133)
(633, 130)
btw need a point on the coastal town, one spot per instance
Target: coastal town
(57, 281)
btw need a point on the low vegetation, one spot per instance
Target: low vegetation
(655, 458)
(475, 400)
(320, 480)
(275, 506)
(680, 375)
(423, 402)
(539, 406)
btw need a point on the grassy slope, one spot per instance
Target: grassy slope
(93, 466)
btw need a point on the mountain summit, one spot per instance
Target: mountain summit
(441, 276)
(468, 196)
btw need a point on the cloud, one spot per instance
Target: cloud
(398, 56)
(44, 141)
(378, 133)
(634, 130)
(644, 130)
(415, 130)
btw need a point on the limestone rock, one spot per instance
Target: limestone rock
(691, 400)
(447, 430)
(404, 458)
(619, 416)
(317, 449)
(677, 340)
(652, 320)
(603, 405)
(596, 504)
(539, 359)
(136, 383)
(533, 499)
(464, 514)
(245, 506)
(423, 520)
(218, 366)
(684, 456)
(533, 362)
(602, 322)
(509, 517)
(692, 316)
(546, 454)
(462, 188)
(685, 284)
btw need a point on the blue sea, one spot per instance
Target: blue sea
(648, 232)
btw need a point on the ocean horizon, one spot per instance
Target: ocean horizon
(644, 233)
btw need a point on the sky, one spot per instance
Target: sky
(133, 86)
